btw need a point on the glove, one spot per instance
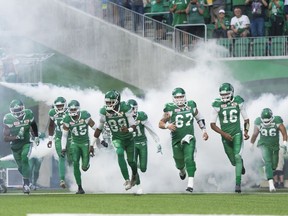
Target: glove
(63, 152)
(159, 149)
(20, 134)
(36, 141)
(91, 151)
(103, 143)
(49, 144)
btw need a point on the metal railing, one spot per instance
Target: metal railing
(172, 37)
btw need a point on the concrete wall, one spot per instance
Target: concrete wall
(94, 42)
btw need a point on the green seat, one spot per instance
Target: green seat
(226, 44)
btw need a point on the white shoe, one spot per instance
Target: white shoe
(185, 49)
(272, 188)
(62, 184)
(127, 185)
(139, 191)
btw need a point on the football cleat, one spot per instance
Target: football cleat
(237, 188)
(127, 185)
(139, 190)
(182, 174)
(62, 184)
(272, 188)
(26, 189)
(189, 189)
(281, 185)
(80, 191)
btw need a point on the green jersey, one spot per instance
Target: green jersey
(269, 134)
(157, 6)
(229, 114)
(183, 118)
(78, 128)
(140, 128)
(182, 17)
(58, 120)
(16, 125)
(116, 120)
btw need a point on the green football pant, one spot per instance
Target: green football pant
(141, 155)
(80, 151)
(121, 147)
(62, 160)
(22, 161)
(35, 165)
(270, 156)
(233, 150)
(183, 155)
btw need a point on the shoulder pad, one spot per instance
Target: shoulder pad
(142, 116)
(85, 114)
(191, 103)
(103, 111)
(257, 121)
(217, 102)
(168, 107)
(125, 107)
(278, 120)
(238, 99)
(52, 112)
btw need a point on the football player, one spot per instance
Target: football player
(76, 122)
(269, 126)
(228, 109)
(17, 125)
(179, 117)
(56, 115)
(140, 139)
(119, 117)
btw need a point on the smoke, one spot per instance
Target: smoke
(214, 171)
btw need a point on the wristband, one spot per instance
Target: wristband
(167, 124)
(130, 130)
(204, 130)
(50, 138)
(285, 142)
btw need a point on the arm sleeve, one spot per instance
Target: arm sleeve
(101, 122)
(213, 116)
(34, 128)
(243, 111)
(150, 129)
(64, 139)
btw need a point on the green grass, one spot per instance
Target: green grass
(258, 203)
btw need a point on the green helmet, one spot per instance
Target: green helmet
(60, 105)
(73, 108)
(17, 108)
(112, 100)
(179, 96)
(133, 103)
(226, 92)
(266, 116)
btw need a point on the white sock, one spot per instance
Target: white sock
(190, 182)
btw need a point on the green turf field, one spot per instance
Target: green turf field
(252, 203)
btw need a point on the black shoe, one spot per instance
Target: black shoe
(189, 189)
(80, 191)
(182, 175)
(276, 185)
(237, 189)
(281, 185)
